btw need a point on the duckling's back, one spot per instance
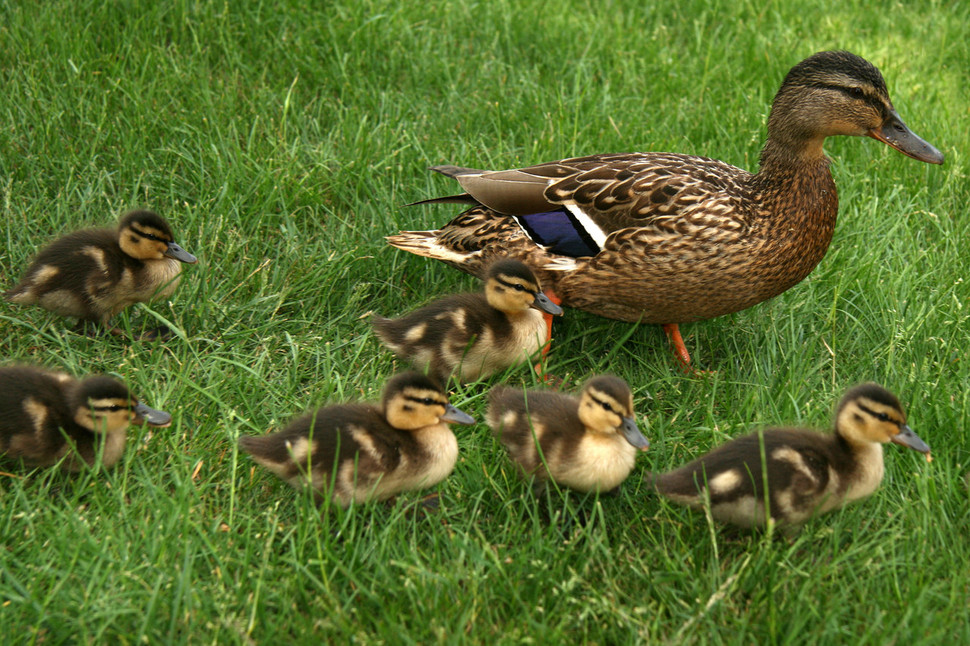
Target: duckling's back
(68, 274)
(33, 414)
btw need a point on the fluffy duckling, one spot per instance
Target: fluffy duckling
(479, 334)
(46, 417)
(806, 472)
(93, 274)
(367, 452)
(587, 444)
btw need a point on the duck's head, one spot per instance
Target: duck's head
(510, 286)
(871, 414)
(839, 93)
(412, 401)
(606, 406)
(146, 235)
(105, 405)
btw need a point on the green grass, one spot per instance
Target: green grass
(281, 141)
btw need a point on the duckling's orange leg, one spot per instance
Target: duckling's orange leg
(673, 334)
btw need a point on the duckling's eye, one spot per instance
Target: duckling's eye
(606, 407)
(518, 287)
(882, 417)
(427, 401)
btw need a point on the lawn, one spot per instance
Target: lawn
(283, 140)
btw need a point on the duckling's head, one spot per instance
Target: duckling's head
(869, 413)
(146, 235)
(412, 401)
(105, 405)
(839, 93)
(606, 406)
(510, 286)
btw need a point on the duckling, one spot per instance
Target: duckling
(93, 274)
(360, 452)
(806, 472)
(477, 334)
(49, 417)
(587, 444)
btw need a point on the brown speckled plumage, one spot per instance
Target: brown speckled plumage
(683, 237)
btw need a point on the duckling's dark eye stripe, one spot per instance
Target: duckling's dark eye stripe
(880, 416)
(145, 234)
(424, 401)
(605, 404)
(511, 285)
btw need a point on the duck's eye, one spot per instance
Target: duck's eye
(519, 288)
(427, 401)
(856, 92)
(882, 417)
(606, 407)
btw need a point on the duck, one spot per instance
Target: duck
(362, 452)
(586, 443)
(49, 417)
(475, 335)
(669, 238)
(806, 472)
(93, 274)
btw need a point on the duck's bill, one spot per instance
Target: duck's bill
(907, 437)
(455, 416)
(544, 304)
(180, 254)
(896, 134)
(631, 433)
(152, 417)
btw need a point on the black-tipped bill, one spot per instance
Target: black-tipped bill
(906, 437)
(180, 254)
(455, 416)
(896, 134)
(543, 304)
(631, 433)
(152, 417)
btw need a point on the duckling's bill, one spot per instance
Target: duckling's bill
(631, 433)
(897, 134)
(908, 438)
(180, 254)
(151, 416)
(456, 416)
(544, 304)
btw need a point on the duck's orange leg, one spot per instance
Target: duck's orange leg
(673, 334)
(539, 367)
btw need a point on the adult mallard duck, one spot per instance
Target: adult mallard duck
(475, 334)
(668, 238)
(805, 472)
(359, 452)
(49, 417)
(93, 274)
